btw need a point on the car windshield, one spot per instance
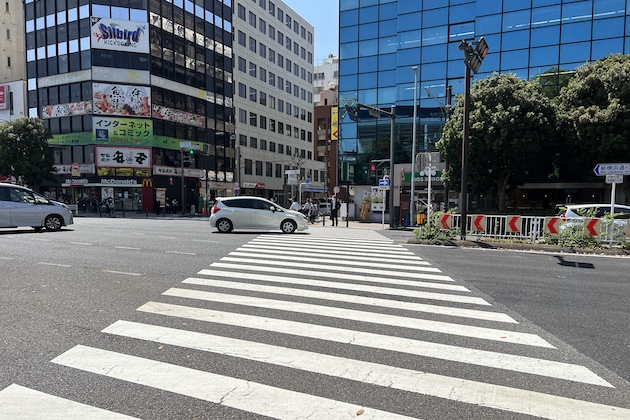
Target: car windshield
(39, 199)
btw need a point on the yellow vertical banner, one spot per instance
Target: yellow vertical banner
(334, 123)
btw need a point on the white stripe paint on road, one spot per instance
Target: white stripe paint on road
(373, 272)
(54, 264)
(337, 251)
(355, 299)
(122, 272)
(348, 256)
(355, 287)
(20, 403)
(333, 261)
(230, 392)
(515, 363)
(461, 390)
(332, 245)
(481, 333)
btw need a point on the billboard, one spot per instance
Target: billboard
(119, 35)
(123, 100)
(66, 110)
(4, 96)
(123, 157)
(175, 115)
(334, 123)
(127, 131)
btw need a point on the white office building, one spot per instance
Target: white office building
(326, 77)
(273, 101)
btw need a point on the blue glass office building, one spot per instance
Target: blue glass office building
(381, 40)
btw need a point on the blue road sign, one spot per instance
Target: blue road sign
(383, 182)
(612, 169)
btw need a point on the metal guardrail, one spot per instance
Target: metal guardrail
(532, 228)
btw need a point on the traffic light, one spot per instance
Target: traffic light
(191, 152)
(373, 171)
(170, 180)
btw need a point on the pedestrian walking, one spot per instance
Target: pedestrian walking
(174, 205)
(295, 205)
(334, 211)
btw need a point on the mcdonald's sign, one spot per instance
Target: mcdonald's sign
(147, 182)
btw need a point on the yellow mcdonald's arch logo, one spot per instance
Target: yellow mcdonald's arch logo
(147, 182)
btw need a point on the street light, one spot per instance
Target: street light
(412, 205)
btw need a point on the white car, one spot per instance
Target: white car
(20, 207)
(256, 213)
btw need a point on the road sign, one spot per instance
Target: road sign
(446, 221)
(612, 169)
(336, 190)
(185, 144)
(479, 222)
(614, 179)
(383, 182)
(551, 225)
(592, 226)
(515, 224)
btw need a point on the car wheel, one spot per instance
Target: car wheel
(53, 222)
(224, 226)
(288, 226)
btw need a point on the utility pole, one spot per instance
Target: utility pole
(472, 60)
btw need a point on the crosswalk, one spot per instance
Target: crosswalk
(350, 308)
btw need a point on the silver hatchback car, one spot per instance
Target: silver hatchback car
(254, 213)
(20, 207)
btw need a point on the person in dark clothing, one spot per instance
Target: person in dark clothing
(334, 211)
(157, 207)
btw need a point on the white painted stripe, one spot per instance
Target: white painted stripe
(332, 267)
(336, 239)
(181, 253)
(127, 247)
(359, 300)
(330, 254)
(203, 240)
(122, 272)
(166, 237)
(334, 261)
(7, 258)
(481, 333)
(54, 264)
(231, 392)
(81, 243)
(324, 248)
(332, 244)
(461, 390)
(20, 403)
(522, 364)
(358, 287)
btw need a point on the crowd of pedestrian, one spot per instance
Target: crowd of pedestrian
(311, 208)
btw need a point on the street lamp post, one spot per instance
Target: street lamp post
(412, 204)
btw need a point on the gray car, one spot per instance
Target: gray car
(21, 207)
(254, 213)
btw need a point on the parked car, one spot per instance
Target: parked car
(324, 208)
(255, 213)
(20, 206)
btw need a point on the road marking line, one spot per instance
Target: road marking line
(203, 240)
(7, 258)
(81, 243)
(18, 402)
(360, 300)
(336, 239)
(360, 287)
(54, 264)
(386, 273)
(167, 237)
(461, 390)
(522, 364)
(127, 247)
(481, 333)
(330, 254)
(333, 244)
(334, 261)
(181, 253)
(122, 272)
(231, 392)
(325, 249)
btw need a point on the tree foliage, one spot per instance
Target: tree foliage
(594, 111)
(512, 131)
(24, 151)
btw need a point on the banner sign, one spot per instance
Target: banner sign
(174, 171)
(119, 35)
(72, 139)
(4, 96)
(170, 114)
(84, 168)
(334, 123)
(67, 110)
(123, 157)
(377, 199)
(123, 100)
(130, 131)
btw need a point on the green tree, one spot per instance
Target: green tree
(512, 130)
(24, 151)
(594, 111)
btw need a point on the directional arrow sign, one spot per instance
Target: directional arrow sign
(446, 221)
(515, 224)
(592, 226)
(551, 225)
(479, 222)
(612, 169)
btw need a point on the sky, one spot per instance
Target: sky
(324, 16)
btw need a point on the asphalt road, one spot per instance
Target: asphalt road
(74, 297)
